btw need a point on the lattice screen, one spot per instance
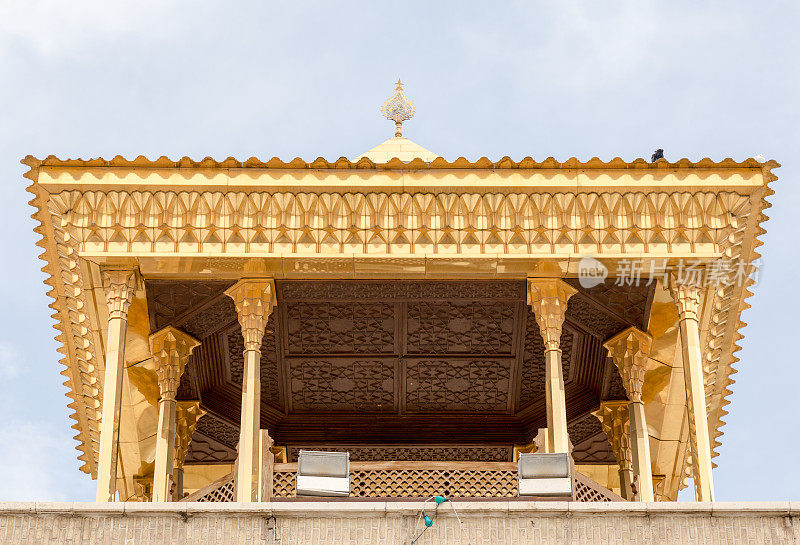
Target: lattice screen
(586, 489)
(223, 493)
(418, 483)
(423, 483)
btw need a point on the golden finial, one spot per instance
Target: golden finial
(398, 108)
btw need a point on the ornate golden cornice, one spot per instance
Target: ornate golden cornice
(526, 163)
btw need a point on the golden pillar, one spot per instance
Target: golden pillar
(120, 286)
(687, 298)
(615, 419)
(254, 300)
(187, 415)
(548, 298)
(171, 349)
(629, 350)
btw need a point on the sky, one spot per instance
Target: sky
(288, 79)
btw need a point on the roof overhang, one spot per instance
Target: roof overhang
(343, 219)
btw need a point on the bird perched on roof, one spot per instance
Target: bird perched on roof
(658, 154)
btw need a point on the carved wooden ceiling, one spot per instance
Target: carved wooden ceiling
(398, 369)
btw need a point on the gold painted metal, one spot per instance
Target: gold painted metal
(629, 350)
(120, 285)
(187, 415)
(409, 216)
(171, 349)
(687, 299)
(254, 300)
(615, 420)
(548, 298)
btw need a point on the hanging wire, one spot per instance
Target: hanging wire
(428, 521)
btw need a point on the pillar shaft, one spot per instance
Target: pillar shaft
(640, 452)
(254, 300)
(548, 299)
(630, 350)
(247, 477)
(120, 286)
(558, 439)
(165, 450)
(687, 298)
(171, 349)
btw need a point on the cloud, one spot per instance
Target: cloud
(58, 28)
(10, 361)
(37, 464)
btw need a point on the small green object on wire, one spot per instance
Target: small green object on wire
(439, 499)
(428, 521)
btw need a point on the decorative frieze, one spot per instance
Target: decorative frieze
(379, 223)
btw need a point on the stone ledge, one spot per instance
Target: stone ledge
(515, 522)
(339, 508)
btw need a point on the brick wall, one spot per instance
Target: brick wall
(379, 523)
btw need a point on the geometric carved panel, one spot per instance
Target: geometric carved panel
(342, 384)
(340, 328)
(590, 442)
(455, 453)
(397, 362)
(458, 385)
(453, 327)
(628, 302)
(167, 300)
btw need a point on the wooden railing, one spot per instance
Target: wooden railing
(416, 480)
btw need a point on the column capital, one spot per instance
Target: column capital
(548, 298)
(120, 284)
(615, 420)
(686, 296)
(187, 414)
(629, 350)
(254, 300)
(170, 348)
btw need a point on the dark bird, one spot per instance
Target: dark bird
(658, 154)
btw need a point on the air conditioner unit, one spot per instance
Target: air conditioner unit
(323, 473)
(544, 475)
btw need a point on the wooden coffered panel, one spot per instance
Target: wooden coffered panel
(402, 368)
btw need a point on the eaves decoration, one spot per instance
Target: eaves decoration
(125, 209)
